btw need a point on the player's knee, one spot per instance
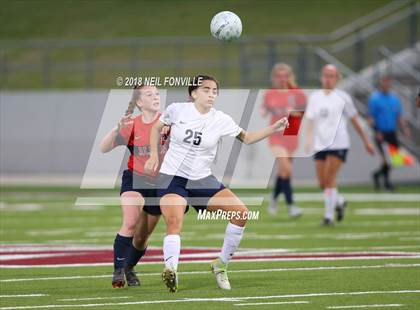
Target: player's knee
(129, 226)
(174, 224)
(140, 243)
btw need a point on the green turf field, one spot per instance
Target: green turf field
(383, 224)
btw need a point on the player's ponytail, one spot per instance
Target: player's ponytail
(134, 98)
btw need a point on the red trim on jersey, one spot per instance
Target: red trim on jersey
(137, 139)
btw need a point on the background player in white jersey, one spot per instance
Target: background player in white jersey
(186, 178)
(327, 113)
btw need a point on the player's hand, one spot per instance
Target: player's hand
(151, 165)
(369, 148)
(125, 121)
(281, 124)
(166, 130)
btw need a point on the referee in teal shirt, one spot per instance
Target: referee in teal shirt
(385, 115)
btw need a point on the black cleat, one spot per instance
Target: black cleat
(327, 222)
(118, 279)
(131, 276)
(340, 210)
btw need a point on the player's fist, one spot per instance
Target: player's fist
(281, 124)
(125, 121)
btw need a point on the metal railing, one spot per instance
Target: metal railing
(246, 63)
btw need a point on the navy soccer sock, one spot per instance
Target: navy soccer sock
(277, 187)
(121, 246)
(288, 192)
(134, 255)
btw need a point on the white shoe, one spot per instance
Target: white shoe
(294, 211)
(273, 206)
(220, 271)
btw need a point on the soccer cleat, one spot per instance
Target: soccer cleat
(170, 279)
(131, 276)
(118, 279)
(340, 209)
(327, 222)
(273, 206)
(294, 212)
(220, 271)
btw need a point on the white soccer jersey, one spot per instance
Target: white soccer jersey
(330, 112)
(194, 139)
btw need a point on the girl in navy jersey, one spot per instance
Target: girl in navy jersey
(138, 186)
(185, 176)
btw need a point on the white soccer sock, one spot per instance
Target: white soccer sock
(171, 251)
(233, 237)
(330, 196)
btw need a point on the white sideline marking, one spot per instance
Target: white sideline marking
(388, 211)
(230, 271)
(94, 298)
(26, 295)
(253, 260)
(224, 299)
(272, 303)
(365, 306)
(362, 197)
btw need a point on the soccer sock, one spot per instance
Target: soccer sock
(121, 246)
(288, 192)
(134, 255)
(330, 196)
(171, 251)
(277, 187)
(233, 237)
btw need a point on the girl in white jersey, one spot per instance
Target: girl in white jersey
(185, 176)
(327, 113)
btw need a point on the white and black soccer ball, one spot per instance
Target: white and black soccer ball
(226, 26)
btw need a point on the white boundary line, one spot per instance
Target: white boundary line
(223, 299)
(230, 271)
(294, 259)
(273, 303)
(23, 295)
(365, 306)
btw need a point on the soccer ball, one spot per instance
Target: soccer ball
(226, 26)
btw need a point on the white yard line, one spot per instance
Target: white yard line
(272, 303)
(23, 295)
(230, 271)
(224, 299)
(94, 298)
(365, 306)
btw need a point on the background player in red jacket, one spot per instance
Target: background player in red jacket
(137, 187)
(285, 99)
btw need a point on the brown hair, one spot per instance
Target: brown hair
(197, 80)
(134, 98)
(288, 69)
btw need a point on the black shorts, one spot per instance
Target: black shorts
(341, 154)
(196, 192)
(144, 185)
(389, 137)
